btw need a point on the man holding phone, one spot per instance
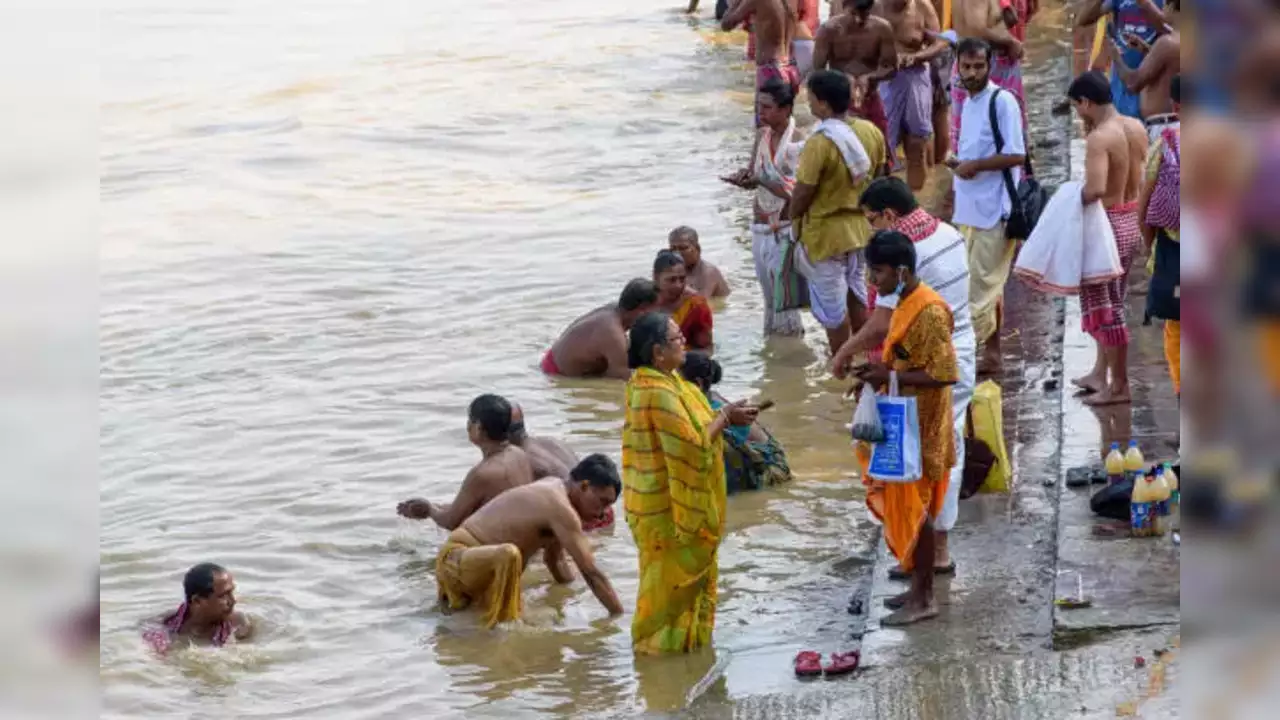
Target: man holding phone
(1127, 18)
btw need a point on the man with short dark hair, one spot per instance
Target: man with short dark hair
(595, 345)
(982, 201)
(1115, 152)
(705, 278)
(836, 165)
(207, 614)
(502, 466)
(482, 560)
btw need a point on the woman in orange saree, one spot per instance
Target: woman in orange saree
(690, 310)
(918, 348)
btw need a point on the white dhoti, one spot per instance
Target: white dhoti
(766, 250)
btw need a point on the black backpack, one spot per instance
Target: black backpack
(1029, 198)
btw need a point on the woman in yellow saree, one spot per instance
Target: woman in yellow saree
(673, 489)
(690, 310)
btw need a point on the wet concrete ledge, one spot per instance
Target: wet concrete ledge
(1131, 582)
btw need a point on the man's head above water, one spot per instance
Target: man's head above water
(210, 593)
(594, 486)
(684, 242)
(489, 420)
(637, 298)
(670, 275)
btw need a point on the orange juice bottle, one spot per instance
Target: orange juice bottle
(1115, 464)
(1160, 502)
(1141, 508)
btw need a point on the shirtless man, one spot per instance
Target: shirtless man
(908, 95)
(502, 467)
(595, 345)
(774, 25)
(860, 44)
(482, 561)
(548, 457)
(807, 23)
(1115, 154)
(208, 614)
(705, 278)
(1151, 79)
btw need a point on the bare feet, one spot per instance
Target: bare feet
(1108, 397)
(1089, 383)
(910, 614)
(897, 602)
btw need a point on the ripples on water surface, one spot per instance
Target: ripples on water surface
(327, 226)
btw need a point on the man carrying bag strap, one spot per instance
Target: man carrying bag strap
(1028, 197)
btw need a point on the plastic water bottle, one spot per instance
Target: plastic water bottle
(1134, 462)
(1141, 508)
(1160, 502)
(1115, 464)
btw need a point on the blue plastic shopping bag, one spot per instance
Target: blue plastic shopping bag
(897, 458)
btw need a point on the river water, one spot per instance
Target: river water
(327, 225)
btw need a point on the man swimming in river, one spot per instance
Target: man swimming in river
(482, 561)
(502, 467)
(595, 345)
(206, 616)
(705, 278)
(860, 44)
(774, 26)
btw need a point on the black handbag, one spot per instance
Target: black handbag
(1028, 197)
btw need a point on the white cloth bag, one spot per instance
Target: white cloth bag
(896, 459)
(1072, 245)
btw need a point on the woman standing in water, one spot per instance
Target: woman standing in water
(689, 309)
(673, 489)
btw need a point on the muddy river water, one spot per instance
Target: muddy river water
(327, 225)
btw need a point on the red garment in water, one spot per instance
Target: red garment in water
(549, 364)
(605, 520)
(161, 638)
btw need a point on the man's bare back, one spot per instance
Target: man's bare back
(1116, 150)
(594, 345)
(549, 457)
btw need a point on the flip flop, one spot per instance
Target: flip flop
(896, 572)
(842, 663)
(808, 664)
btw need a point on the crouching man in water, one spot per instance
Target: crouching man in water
(482, 561)
(503, 465)
(595, 345)
(207, 616)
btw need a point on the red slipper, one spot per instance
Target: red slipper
(843, 663)
(808, 664)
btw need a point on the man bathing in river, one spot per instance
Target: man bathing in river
(208, 614)
(550, 458)
(705, 278)
(482, 561)
(908, 95)
(503, 466)
(1114, 160)
(774, 25)
(860, 44)
(595, 345)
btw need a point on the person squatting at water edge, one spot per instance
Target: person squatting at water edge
(690, 310)
(703, 277)
(859, 43)
(918, 348)
(753, 458)
(908, 95)
(481, 562)
(772, 176)
(979, 196)
(1115, 154)
(502, 466)
(942, 264)
(836, 165)
(207, 615)
(773, 23)
(595, 345)
(674, 496)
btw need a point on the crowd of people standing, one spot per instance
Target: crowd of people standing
(896, 86)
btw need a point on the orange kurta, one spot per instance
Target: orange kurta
(919, 339)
